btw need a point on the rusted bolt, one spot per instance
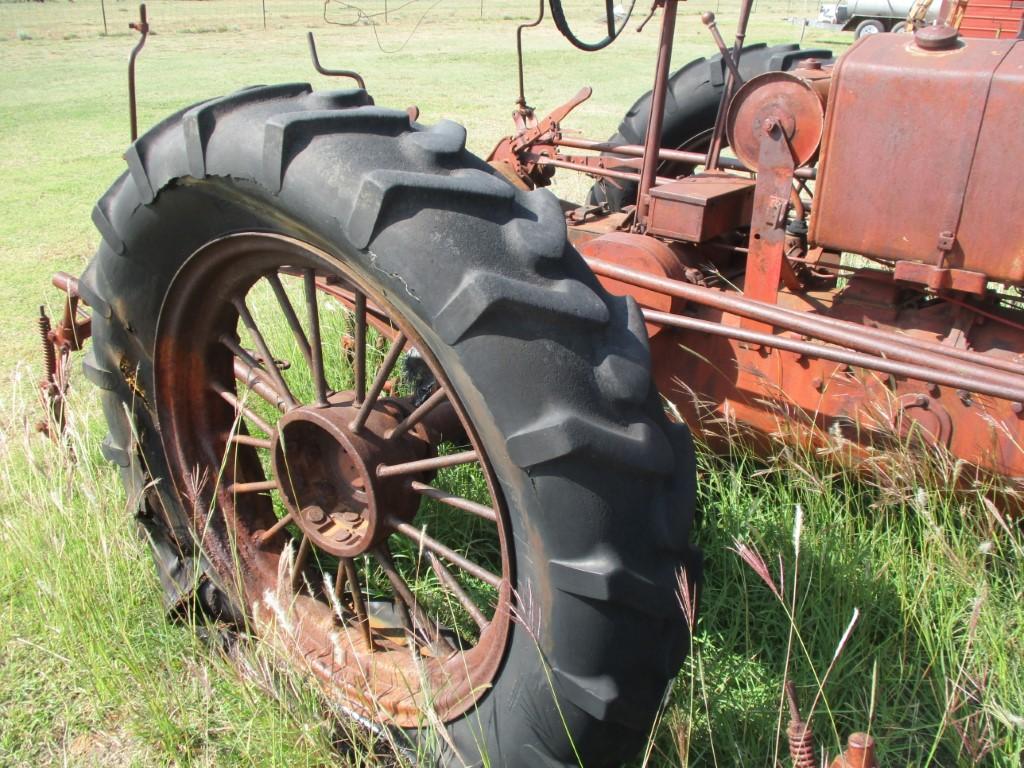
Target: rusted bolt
(817, 383)
(314, 514)
(860, 751)
(1017, 408)
(770, 124)
(964, 395)
(922, 401)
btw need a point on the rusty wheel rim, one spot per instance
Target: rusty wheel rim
(309, 501)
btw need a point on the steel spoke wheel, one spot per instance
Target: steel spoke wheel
(375, 409)
(332, 440)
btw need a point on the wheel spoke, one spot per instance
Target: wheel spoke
(255, 442)
(456, 589)
(244, 410)
(241, 352)
(256, 379)
(358, 605)
(316, 349)
(300, 563)
(273, 530)
(261, 345)
(378, 383)
(289, 314)
(360, 373)
(450, 499)
(339, 583)
(425, 465)
(435, 399)
(427, 629)
(433, 545)
(312, 400)
(257, 486)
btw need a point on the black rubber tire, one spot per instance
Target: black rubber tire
(691, 105)
(869, 27)
(600, 487)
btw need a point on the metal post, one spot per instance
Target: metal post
(142, 27)
(652, 142)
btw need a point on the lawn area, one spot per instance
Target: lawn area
(92, 673)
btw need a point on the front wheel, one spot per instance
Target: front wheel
(375, 405)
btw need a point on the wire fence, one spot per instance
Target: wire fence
(72, 19)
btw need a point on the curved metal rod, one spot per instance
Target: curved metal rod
(142, 27)
(521, 103)
(331, 72)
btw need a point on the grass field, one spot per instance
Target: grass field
(92, 674)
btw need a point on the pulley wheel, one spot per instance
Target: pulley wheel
(783, 96)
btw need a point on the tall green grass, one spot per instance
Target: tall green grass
(93, 672)
(933, 667)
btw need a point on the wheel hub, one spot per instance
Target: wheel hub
(326, 471)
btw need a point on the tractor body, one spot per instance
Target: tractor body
(850, 278)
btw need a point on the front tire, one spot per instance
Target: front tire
(549, 374)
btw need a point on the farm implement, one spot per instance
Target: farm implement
(405, 413)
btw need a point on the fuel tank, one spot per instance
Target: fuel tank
(923, 153)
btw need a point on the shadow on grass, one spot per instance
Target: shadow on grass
(931, 668)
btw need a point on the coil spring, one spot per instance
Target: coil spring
(799, 733)
(49, 356)
(801, 745)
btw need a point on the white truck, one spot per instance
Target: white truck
(867, 17)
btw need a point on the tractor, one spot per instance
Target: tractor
(401, 411)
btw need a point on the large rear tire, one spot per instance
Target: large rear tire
(691, 104)
(591, 489)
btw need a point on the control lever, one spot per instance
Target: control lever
(709, 21)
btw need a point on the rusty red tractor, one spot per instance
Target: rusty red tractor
(404, 413)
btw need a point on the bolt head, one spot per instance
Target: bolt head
(314, 514)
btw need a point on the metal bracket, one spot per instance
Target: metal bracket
(766, 262)
(69, 335)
